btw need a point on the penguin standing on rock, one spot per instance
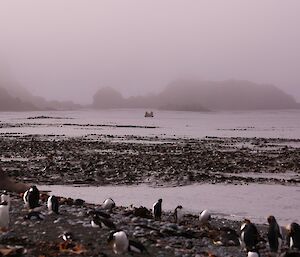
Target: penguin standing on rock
(5, 197)
(157, 209)
(293, 235)
(53, 204)
(274, 235)
(32, 197)
(178, 214)
(4, 215)
(249, 235)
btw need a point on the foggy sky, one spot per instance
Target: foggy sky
(67, 49)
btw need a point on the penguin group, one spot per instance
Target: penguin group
(120, 241)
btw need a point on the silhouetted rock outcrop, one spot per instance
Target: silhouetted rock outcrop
(187, 95)
(10, 103)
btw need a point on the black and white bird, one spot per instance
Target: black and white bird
(274, 235)
(99, 213)
(53, 204)
(98, 221)
(108, 204)
(157, 209)
(204, 217)
(178, 214)
(4, 215)
(32, 197)
(34, 215)
(67, 236)
(253, 253)
(120, 243)
(293, 236)
(5, 197)
(249, 236)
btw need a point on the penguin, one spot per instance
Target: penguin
(31, 197)
(5, 197)
(249, 235)
(53, 204)
(121, 244)
(293, 235)
(4, 215)
(157, 209)
(98, 221)
(204, 217)
(108, 204)
(118, 241)
(136, 247)
(34, 215)
(253, 253)
(274, 235)
(178, 214)
(98, 213)
(67, 236)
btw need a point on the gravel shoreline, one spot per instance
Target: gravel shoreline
(112, 160)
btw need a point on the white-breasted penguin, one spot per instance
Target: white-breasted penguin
(178, 214)
(293, 236)
(157, 209)
(98, 221)
(274, 235)
(108, 204)
(53, 204)
(249, 235)
(118, 241)
(121, 244)
(4, 215)
(32, 197)
(204, 217)
(5, 197)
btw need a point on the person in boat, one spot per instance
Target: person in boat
(9, 184)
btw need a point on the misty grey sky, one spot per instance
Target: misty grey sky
(67, 49)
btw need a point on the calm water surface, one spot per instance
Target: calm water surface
(283, 123)
(254, 201)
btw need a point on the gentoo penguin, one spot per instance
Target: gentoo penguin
(98, 221)
(4, 215)
(253, 253)
(118, 241)
(53, 204)
(31, 197)
(204, 217)
(34, 215)
(157, 210)
(121, 244)
(293, 235)
(67, 236)
(5, 197)
(178, 214)
(274, 235)
(108, 204)
(249, 235)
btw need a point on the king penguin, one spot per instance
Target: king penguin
(157, 209)
(4, 215)
(274, 235)
(53, 204)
